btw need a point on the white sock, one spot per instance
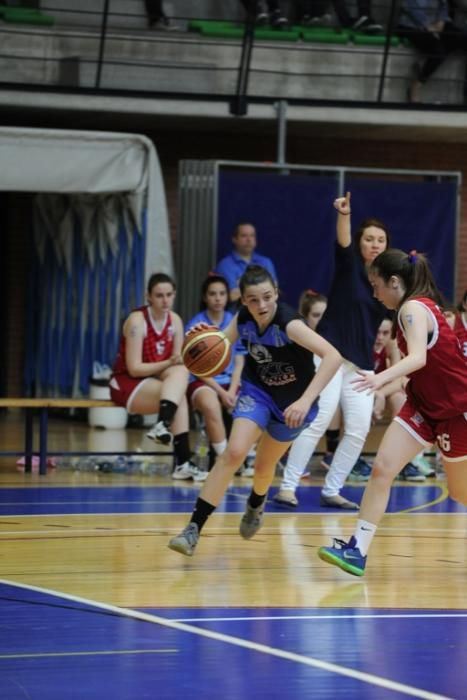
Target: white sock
(219, 447)
(364, 533)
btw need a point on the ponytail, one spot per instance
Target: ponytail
(414, 271)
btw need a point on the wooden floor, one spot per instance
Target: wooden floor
(102, 539)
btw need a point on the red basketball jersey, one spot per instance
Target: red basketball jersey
(157, 346)
(439, 389)
(460, 329)
(380, 358)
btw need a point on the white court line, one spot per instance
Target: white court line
(281, 514)
(294, 530)
(373, 616)
(237, 641)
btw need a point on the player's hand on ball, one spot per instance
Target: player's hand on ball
(206, 351)
(197, 328)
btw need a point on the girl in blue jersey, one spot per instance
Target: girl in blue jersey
(278, 398)
(215, 397)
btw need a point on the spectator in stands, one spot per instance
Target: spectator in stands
(215, 398)
(314, 13)
(268, 12)
(428, 25)
(148, 375)
(157, 19)
(234, 265)
(364, 22)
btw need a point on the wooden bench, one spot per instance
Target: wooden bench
(43, 405)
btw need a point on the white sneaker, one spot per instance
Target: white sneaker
(249, 467)
(188, 471)
(160, 433)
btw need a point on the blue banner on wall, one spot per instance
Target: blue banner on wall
(296, 222)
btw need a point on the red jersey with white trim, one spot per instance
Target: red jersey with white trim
(380, 360)
(439, 389)
(460, 329)
(157, 346)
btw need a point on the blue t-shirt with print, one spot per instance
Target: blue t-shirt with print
(275, 363)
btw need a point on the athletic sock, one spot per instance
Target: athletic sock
(182, 448)
(167, 411)
(201, 513)
(255, 500)
(219, 447)
(364, 533)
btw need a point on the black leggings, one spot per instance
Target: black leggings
(154, 10)
(435, 47)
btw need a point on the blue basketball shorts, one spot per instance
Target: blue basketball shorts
(256, 405)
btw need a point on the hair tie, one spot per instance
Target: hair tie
(413, 257)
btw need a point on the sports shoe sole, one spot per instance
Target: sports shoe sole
(326, 502)
(284, 502)
(413, 479)
(181, 547)
(247, 529)
(331, 558)
(165, 440)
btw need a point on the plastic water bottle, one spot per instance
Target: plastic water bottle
(202, 451)
(64, 464)
(120, 466)
(155, 468)
(87, 464)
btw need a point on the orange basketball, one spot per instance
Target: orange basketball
(206, 352)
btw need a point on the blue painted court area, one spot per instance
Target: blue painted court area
(180, 499)
(56, 648)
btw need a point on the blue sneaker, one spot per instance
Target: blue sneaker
(345, 555)
(410, 473)
(361, 471)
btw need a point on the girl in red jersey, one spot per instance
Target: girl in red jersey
(149, 375)
(436, 405)
(460, 325)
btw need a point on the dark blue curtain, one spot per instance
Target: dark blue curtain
(420, 215)
(295, 221)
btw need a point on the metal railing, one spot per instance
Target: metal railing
(111, 50)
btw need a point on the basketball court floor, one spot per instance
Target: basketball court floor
(93, 604)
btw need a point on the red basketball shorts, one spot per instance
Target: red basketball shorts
(449, 434)
(124, 388)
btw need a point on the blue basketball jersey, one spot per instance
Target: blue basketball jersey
(273, 362)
